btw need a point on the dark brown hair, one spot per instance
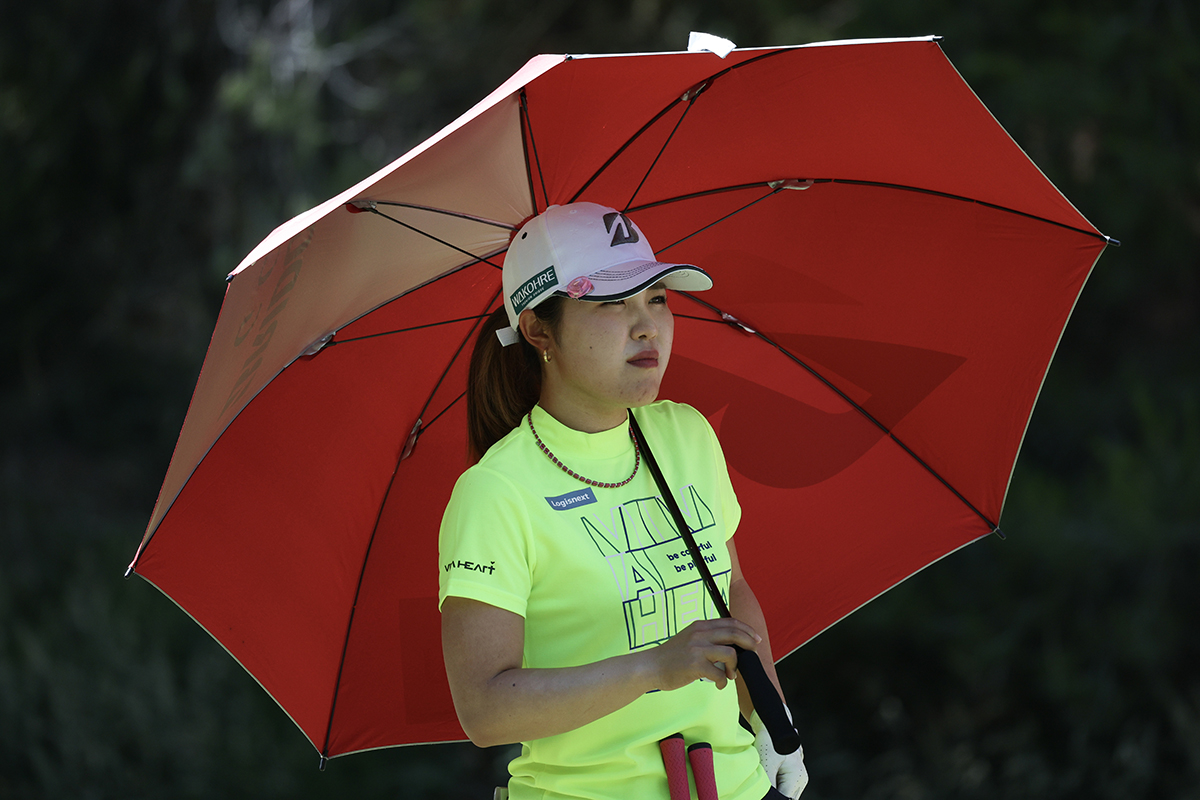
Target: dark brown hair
(503, 383)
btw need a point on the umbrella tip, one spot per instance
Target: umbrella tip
(321, 764)
(1112, 241)
(996, 530)
(128, 571)
(699, 42)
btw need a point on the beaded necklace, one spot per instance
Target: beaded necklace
(637, 459)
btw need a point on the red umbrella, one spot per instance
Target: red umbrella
(892, 276)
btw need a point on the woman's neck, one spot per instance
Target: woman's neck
(587, 420)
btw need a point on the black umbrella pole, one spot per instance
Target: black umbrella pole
(767, 701)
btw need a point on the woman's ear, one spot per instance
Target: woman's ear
(534, 330)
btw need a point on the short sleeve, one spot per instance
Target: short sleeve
(485, 546)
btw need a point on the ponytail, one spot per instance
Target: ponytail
(503, 383)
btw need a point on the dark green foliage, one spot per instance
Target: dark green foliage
(146, 147)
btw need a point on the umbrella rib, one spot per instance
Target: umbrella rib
(337, 684)
(730, 320)
(622, 149)
(426, 426)
(719, 220)
(528, 126)
(379, 515)
(693, 195)
(130, 570)
(877, 184)
(691, 101)
(404, 330)
(447, 212)
(478, 259)
(697, 89)
(963, 198)
(450, 364)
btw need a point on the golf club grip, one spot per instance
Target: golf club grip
(700, 756)
(767, 702)
(674, 757)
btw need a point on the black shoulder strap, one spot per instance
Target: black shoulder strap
(677, 515)
(767, 701)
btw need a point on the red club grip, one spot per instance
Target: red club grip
(700, 756)
(675, 763)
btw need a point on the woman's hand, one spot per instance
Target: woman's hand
(702, 650)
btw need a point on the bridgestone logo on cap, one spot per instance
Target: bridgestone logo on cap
(625, 233)
(532, 288)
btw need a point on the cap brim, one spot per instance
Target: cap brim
(625, 280)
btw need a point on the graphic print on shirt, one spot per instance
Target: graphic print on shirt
(661, 589)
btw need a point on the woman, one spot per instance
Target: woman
(572, 619)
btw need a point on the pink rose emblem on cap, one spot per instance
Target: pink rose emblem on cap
(579, 287)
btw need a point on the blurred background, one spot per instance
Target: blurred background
(146, 147)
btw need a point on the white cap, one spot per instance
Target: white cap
(588, 252)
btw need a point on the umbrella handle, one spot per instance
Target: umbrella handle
(767, 702)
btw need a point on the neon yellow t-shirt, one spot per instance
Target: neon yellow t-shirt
(601, 572)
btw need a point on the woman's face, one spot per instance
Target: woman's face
(607, 357)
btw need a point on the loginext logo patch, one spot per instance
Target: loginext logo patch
(565, 502)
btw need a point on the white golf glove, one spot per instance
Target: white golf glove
(787, 773)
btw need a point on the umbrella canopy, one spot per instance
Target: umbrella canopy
(892, 276)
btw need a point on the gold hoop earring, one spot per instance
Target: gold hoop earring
(546, 356)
